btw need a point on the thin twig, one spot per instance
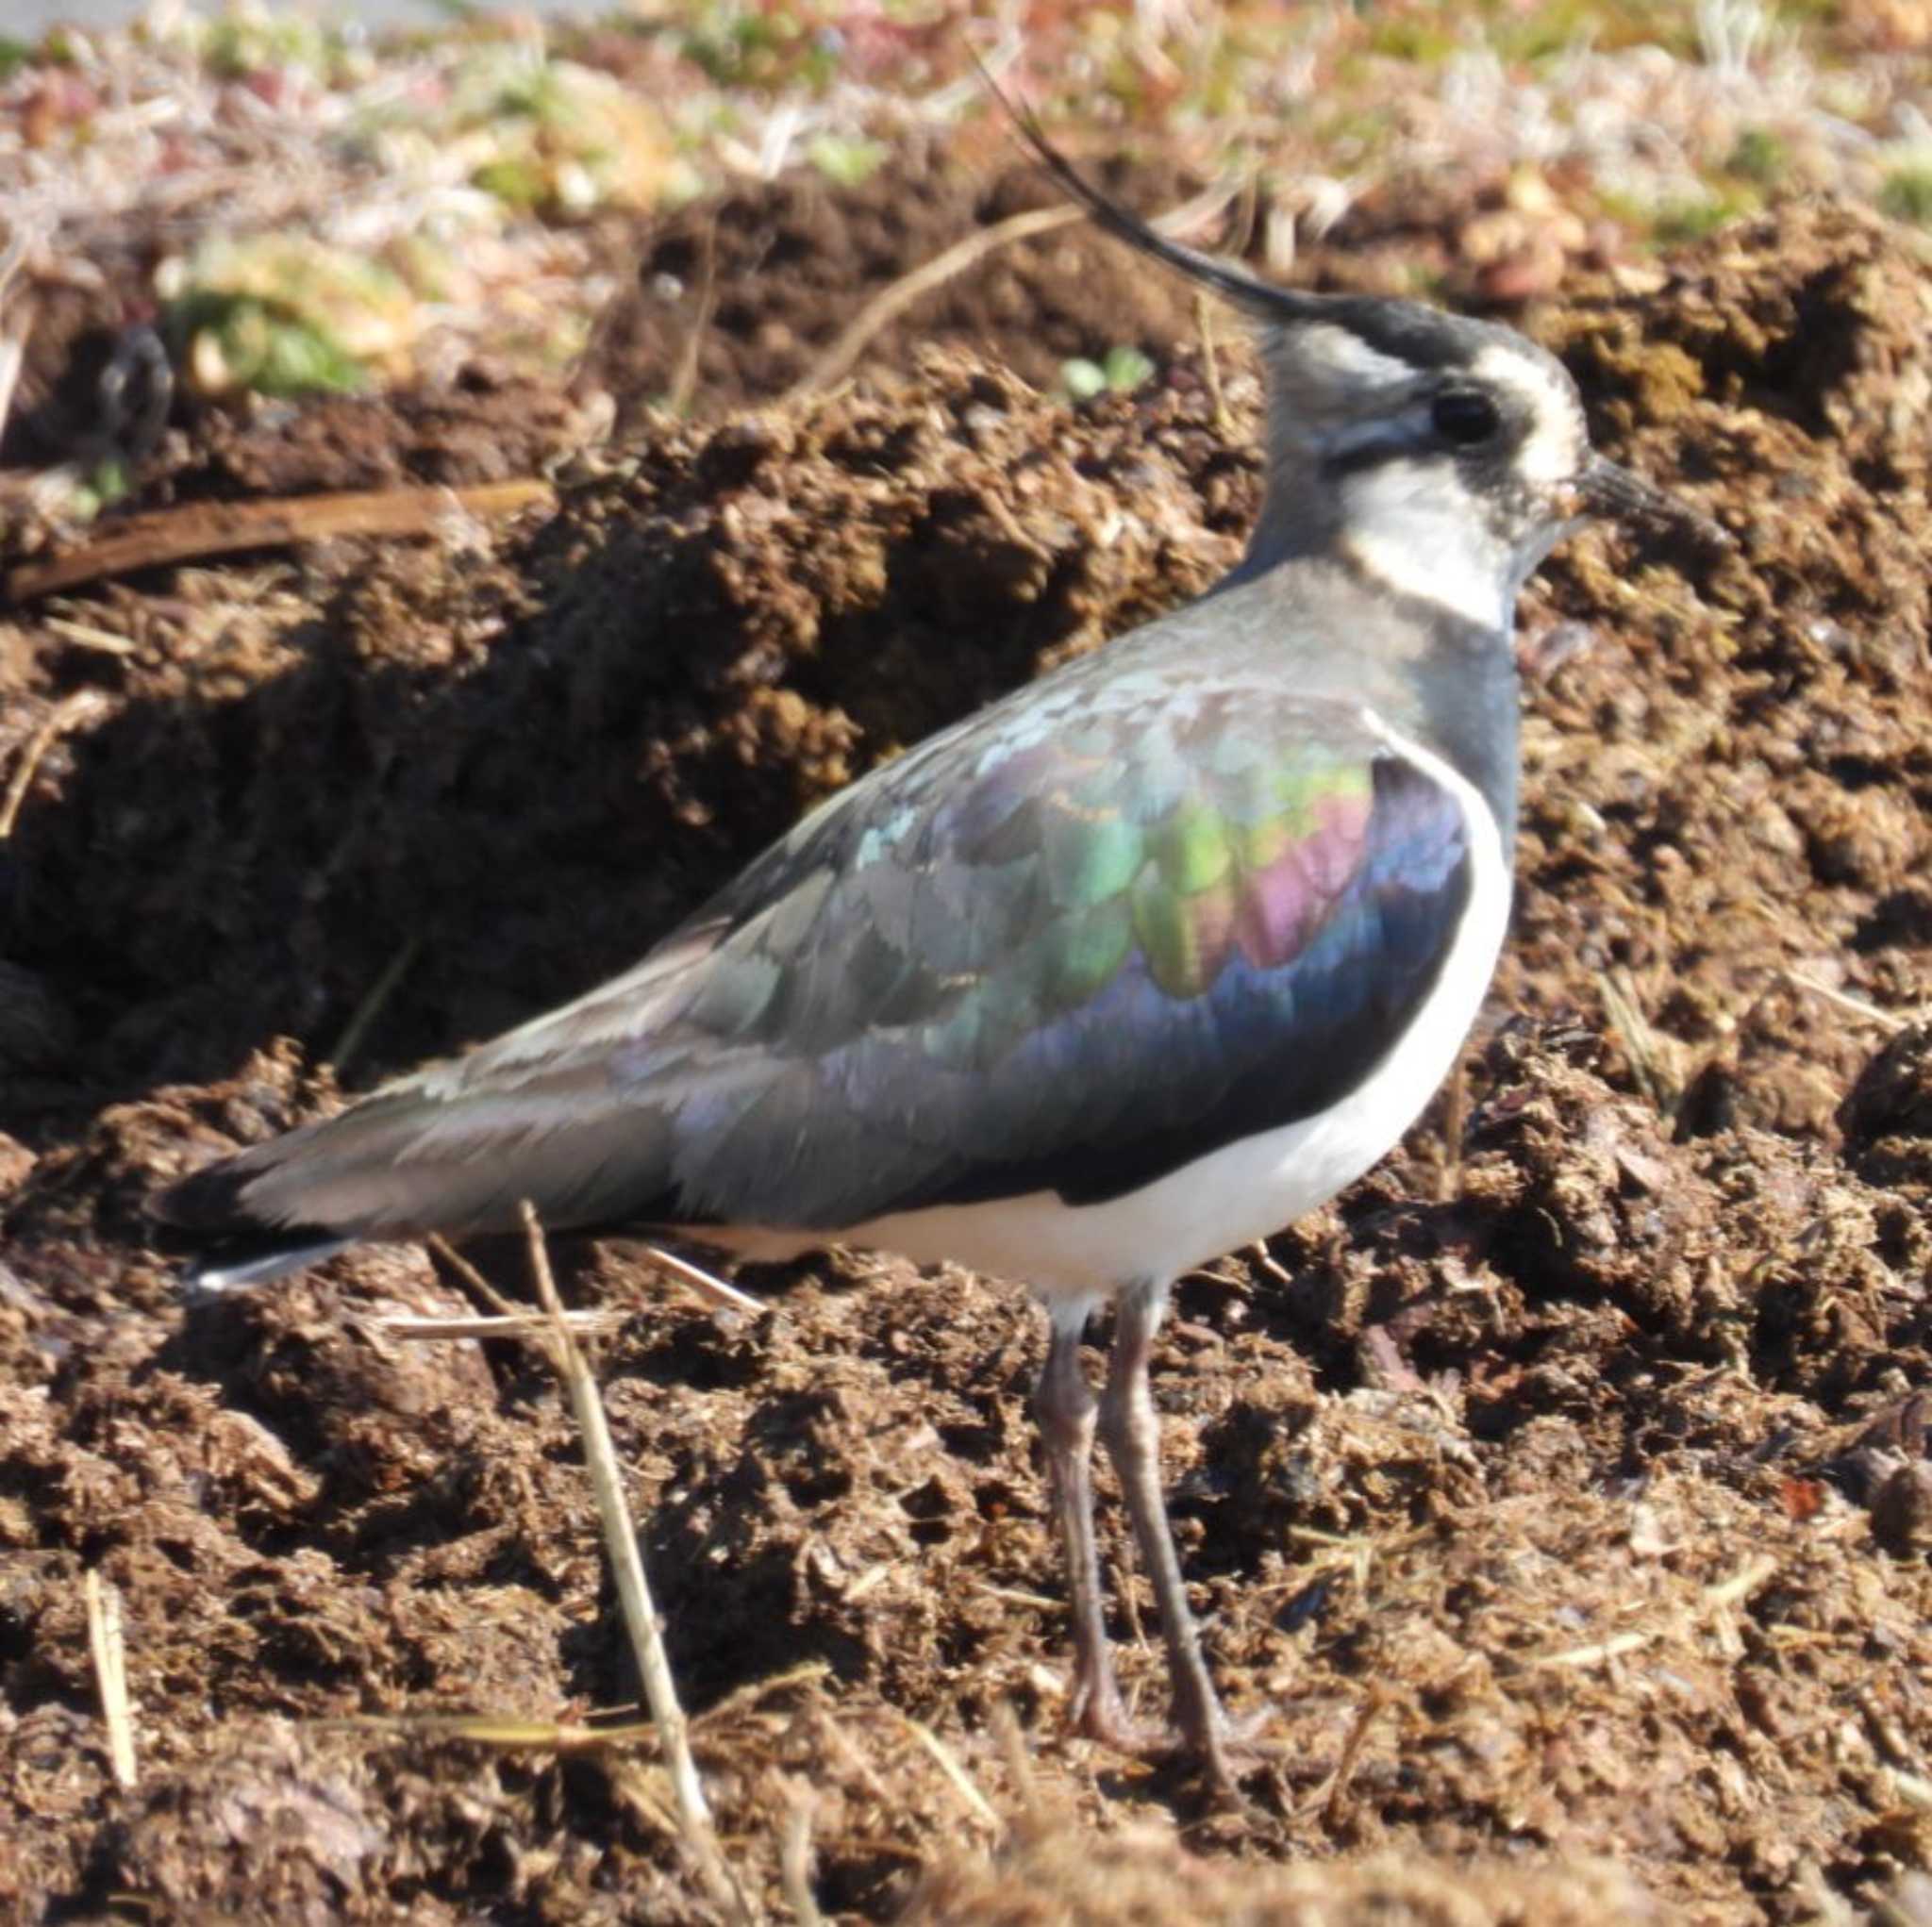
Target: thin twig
(892, 300)
(110, 1649)
(166, 536)
(474, 1280)
(633, 1589)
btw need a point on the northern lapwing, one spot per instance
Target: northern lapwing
(1124, 972)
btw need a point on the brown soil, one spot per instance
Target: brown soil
(1560, 1494)
(739, 299)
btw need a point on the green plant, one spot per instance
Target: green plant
(1758, 155)
(1907, 194)
(1121, 371)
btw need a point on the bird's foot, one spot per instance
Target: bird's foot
(1099, 1713)
(1224, 1746)
(1220, 1745)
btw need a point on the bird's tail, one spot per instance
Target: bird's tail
(405, 1163)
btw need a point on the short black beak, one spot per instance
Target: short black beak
(1605, 489)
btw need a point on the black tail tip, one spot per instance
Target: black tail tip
(225, 1243)
(208, 1201)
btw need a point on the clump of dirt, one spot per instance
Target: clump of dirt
(1557, 1496)
(1744, 783)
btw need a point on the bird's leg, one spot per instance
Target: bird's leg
(1064, 1406)
(1131, 1429)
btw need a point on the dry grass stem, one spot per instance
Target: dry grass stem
(684, 383)
(504, 1732)
(1010, 1737)
(714, 1291)
(85, 636)
(808, 1672)
(886, 306)
(1639, 1043)
(1717, 1600)
(13, 356)
(947, 1762)
(1210, 362)
(106, 1642)
(1889, 1020)
(1332, 1797)
(795, 1861)
(1014, 1595)
(62, 716)
(633, 1589)
(362, 1018)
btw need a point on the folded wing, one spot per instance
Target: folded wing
(1068, 946)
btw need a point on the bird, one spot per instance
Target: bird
(1124, 972)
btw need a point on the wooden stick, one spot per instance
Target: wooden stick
(166, 536)
(530, 1325)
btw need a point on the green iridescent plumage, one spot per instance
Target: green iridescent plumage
(1247, 850)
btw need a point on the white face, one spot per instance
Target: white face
(1463, 534)
(1558, 444)
(1411, 523)
(1444, 457)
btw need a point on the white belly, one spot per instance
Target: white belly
(1240, 1192)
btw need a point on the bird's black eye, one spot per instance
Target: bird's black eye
(1465, 416)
